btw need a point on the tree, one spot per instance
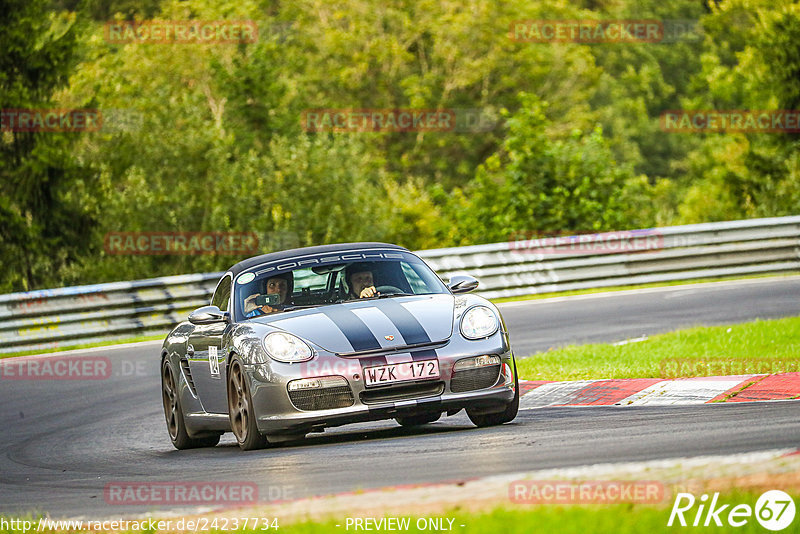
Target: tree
(43, 225)
(537, 183)
(752, 62)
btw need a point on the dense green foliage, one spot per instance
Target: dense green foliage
(208, 137)
(44, 228)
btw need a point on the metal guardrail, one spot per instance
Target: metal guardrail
(85, 314)
(688, 252)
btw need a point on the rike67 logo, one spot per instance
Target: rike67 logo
(774, 510)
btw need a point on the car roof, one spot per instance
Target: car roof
(320, 249)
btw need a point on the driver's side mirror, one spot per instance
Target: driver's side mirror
(208, 315)
(462, 283)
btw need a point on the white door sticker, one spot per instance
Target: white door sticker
(213, 363)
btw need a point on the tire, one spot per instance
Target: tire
(173, 413)
(507, 415)
(240, 410)
(417, 420)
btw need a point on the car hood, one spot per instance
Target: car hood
(368, 325)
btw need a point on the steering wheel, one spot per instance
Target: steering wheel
(388, 290)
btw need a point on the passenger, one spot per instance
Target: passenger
(281, 284)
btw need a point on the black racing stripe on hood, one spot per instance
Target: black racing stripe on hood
(406, 323)
(420, 355)
(357, 333)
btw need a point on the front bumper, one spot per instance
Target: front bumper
(276, 414)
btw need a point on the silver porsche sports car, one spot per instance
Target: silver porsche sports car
(300, 340)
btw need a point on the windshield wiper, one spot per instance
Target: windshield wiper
(303, 307)
(384, 296)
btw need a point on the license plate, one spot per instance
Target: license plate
(401, 372)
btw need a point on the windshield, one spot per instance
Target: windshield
(325, 279)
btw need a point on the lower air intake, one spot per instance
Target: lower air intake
(471, 379)
(322, 398)
(402, 392)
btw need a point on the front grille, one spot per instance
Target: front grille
(187, 372)
(405, 392)
(322, 399)
(470, 379)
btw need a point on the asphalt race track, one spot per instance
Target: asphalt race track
(63, 441)
(610, 317)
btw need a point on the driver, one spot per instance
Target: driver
(282, 284)
(360, 281)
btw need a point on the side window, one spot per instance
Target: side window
(222, 295)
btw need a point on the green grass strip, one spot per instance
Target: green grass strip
(763, 346)
(522, 519)
(591, 519)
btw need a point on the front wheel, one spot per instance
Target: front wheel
(240, 410)
(494, 419)
(176, 425)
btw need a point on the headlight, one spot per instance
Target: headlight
(479, 322)
(286, 347)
